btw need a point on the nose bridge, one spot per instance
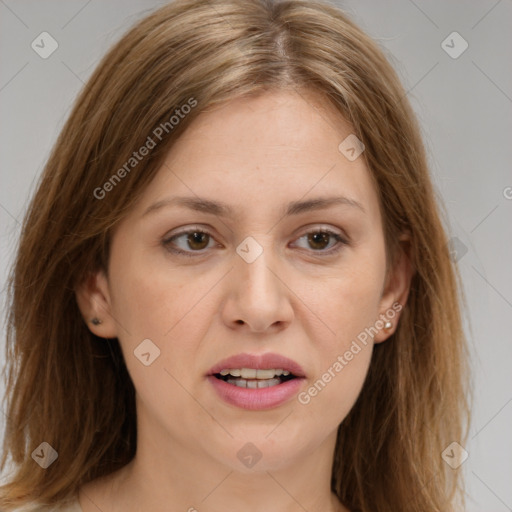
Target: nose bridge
(256, 260)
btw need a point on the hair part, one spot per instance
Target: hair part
(413, 403)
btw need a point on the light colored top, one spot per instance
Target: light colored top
(72, 506)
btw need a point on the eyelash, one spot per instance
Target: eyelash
(192, 254)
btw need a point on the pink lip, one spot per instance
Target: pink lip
(257, 399)
(259, 362)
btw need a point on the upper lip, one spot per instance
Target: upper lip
(259, 362)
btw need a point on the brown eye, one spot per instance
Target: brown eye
(192, 241)
(320, 239)
(196, 240)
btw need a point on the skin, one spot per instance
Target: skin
(256, 154)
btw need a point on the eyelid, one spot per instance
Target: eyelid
(166, 242)
(315, 228)
(341, 237)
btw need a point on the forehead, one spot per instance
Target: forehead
(256, 154)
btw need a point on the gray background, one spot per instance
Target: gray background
(464, 105)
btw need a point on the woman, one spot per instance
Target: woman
(233, 287)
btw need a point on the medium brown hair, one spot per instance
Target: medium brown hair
(71, 389)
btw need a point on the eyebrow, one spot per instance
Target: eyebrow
(224, 210)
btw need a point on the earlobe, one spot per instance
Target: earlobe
(93, 299)
(396, 292)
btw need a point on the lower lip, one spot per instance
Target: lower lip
(256, 399)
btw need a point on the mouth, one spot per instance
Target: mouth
(254, 378)
(256, 382)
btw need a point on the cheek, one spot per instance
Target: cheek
(334, 391)
(351, 313)
(354, 293)
(148, 297)
(158, 317)
(156, 302)
(358, 301)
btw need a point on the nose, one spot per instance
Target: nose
(259, 299)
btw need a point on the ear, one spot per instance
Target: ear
(93, 298)
(396, 290)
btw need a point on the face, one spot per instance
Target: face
(268, 273)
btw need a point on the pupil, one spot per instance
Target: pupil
(193, 238)
(323, 238)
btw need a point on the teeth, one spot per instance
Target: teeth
(254, 384)
(248, 373)
(264, 374)
(251, 373)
